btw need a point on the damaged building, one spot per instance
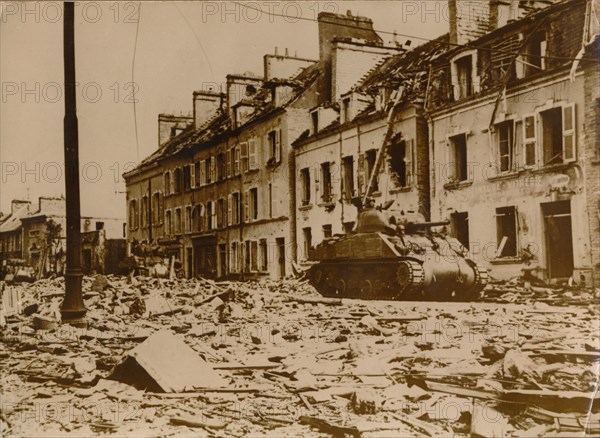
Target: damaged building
(219, 196)
(512, 108)
(37, 237)
(493, 129)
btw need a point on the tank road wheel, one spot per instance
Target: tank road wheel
(366, 289)
(481, 280)
(341, 286)
(409, 277)
(316, 276)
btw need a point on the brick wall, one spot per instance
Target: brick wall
(592, 159)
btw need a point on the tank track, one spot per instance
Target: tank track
(378, 279)
(474, 292)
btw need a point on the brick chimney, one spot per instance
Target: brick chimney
(18, 204)
(469, 20)
(241, 87)
(206, 104)
(169, 126)
(284, 66)
(333, 29)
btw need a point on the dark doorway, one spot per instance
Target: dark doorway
(280, 241)
(558, 237)
(222, 260)
(190, 263)
(460, 227)
(87, 261)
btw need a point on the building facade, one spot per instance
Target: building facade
(220, 196)
(509, 160)
(493, 128)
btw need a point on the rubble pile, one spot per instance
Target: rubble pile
(202, 358)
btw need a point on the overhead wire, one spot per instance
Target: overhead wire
(394, 33)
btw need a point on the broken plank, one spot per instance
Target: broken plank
(317, 300)
(197, 422)
(198, 392)
(460, 391)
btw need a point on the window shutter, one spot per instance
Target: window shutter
(212, 169)
(253, 164)
(408, 161)
(529, 140)
(229, 205)
(244, 156)
(171, 182)
(246, 205)
(228, 157)
(568, 130)
(360, 173)
(167, 182)
(236, 160)
(278, 145)
(192, 176)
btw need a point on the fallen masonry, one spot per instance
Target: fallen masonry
(196, 357)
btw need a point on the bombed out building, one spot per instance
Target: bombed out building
(495, 131)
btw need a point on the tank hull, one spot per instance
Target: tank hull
(404, 279)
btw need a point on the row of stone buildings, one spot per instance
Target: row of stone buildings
(36, 236)
(495, 130)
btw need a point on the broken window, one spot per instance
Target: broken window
(253, 213)
(463, 77)
(305, 177)
(274, 142)
(327, 232)
(326, 182)
(536, 54)
(235, 208)
(314, 118)
(371, 157)
(506, 232)
(348, 166)
(209, 215)
(505, 145)
(264, 260)
(133, 215)
(460, 226)
(188, 219)
(219, 213)
(177, 220)
(307, 232)
(221, 166)
(346, 116)
(233, 258)
(187, 178)
(168, 223)
(401, 162)
(156, 213)
(458, 158)
(196, 218)
(348, 227)
(144, 212)
(551, 129)
(178, 180)
(529, 140)
(254, 256)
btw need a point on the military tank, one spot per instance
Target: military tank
(395, 255)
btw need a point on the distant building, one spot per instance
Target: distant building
(39, 237)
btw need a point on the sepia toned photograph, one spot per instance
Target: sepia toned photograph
(366, 219)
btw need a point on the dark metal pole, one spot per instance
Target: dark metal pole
(73, 308)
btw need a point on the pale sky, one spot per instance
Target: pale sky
(180, 46)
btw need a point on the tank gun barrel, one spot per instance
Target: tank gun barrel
(427, 224)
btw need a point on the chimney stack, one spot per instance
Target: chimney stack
(206, 104)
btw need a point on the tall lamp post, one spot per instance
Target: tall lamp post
(72, 309)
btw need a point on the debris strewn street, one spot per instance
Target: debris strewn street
(202, 358)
